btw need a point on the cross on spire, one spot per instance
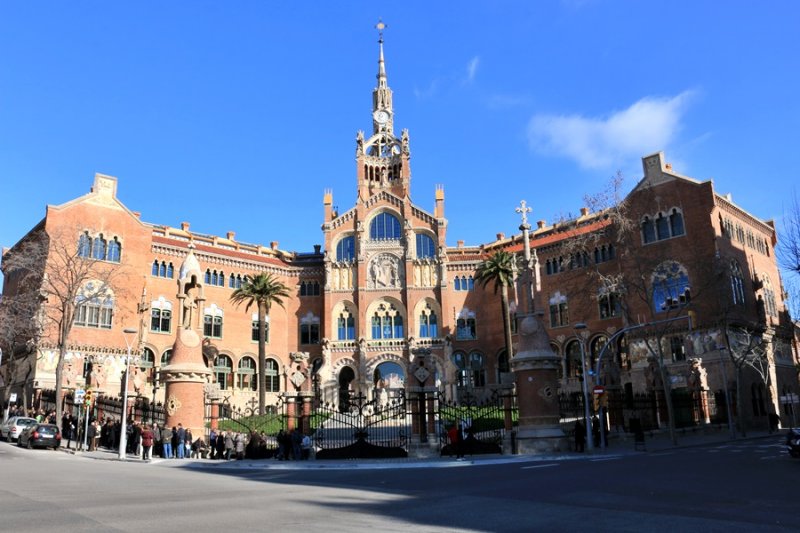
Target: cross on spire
(523, 209)
(380, 26)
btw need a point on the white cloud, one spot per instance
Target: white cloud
(472, 68)
(647, 126)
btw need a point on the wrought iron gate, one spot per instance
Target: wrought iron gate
(485, 421)
(361, 428)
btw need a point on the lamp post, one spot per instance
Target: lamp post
(580, 328)
(123, 437)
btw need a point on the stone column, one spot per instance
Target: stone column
(535, 367)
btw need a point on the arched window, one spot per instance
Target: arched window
(212, 322)
(457, 284)
(466, 326)
(162, 271)
(272, 376)
(166, 357)
(662, 227)
(309, 329)
(676, 223)
(559, 310)
(648, 230)
(99, 248)
(385, 226)
(114, 250)
(609, 304)
(574, 368)
(207, 278)
(428, 323)
(94, 312)
(471, 370)
(223, 371)
(346, 249)
(254, 330)
(503, 366)
(670, 286)
(160, 316)
(425, 246)
(154, 271)
(737, 283)
(595, 346)
(146, 363)
(170, 271)
(84, 245)
(387, 322)
(246, 374)
(345, 326)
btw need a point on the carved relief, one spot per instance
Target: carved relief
(384, 272)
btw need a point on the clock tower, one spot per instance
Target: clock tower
(382, 159)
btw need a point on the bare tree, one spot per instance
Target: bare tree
(67, 279)
(747, 351)
(20, 330)
(788, 252)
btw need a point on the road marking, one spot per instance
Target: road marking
(662, 454)
(539, 466)
(604, 459)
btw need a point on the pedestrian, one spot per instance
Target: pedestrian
(228, 445)
(181, 438)
(189, 442)
(297, 444)
(147, 443)
(91, 433)
(239, 444)
(137, 447)
(281, 438)
(157, 446)
(166, 442)
(212, 443)
(68, 428)
(95, 442)
(220, 446)
(580, 436)
(306, 444)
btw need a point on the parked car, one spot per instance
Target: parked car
(40, 436)
(793, 442)
(11, 428)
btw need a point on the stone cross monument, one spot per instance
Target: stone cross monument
(187, 373)
(535, 366)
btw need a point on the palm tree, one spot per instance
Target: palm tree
(263, 290)
(499, 269)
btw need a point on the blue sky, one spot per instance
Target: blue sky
(236, 116)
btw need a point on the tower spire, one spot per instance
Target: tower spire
(382, 113)
(380, 26)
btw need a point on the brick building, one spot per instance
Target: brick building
(385, 283)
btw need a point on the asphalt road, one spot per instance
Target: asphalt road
(741, 486)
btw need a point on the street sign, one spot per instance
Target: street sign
(12, 398)
(78, 397)
(599, 389)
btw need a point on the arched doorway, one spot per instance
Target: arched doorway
(388, 379)
(346, 377)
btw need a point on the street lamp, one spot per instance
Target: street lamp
(580, 328)
(123, 437)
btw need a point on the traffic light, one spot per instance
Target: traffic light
(87, 398)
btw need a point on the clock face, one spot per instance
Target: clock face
(381, 117)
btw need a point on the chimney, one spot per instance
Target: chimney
(584, 211)
(185, 226)
(459, 244)
(273, 245)
(501, 236)
(231, 235)
(541, 224)
(317, 248)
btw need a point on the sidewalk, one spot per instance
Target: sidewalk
(655, 442)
